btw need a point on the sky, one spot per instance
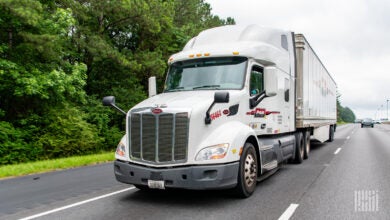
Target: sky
(351, 37)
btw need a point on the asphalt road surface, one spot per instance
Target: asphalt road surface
(346, 179)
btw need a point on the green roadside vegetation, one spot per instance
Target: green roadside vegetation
(59, 58)
(344, 114)
(54, 164)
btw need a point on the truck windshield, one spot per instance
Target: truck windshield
(206, 74)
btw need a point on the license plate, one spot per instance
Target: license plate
(156, 184)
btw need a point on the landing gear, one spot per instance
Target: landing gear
(306, 142)
(331, 134)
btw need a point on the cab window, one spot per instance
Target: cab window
(256, 81)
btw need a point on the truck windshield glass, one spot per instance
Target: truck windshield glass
(207, 74)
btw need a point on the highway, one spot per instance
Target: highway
(346, 179)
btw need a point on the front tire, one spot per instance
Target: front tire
(247, 173)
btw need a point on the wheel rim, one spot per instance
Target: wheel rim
(250, 170)
(301, 149)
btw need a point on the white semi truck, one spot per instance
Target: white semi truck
(237, 102)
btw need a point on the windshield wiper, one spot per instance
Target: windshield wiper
(175, 89)
(207, 87)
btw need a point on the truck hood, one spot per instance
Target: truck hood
(183, 100)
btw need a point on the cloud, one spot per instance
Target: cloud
(351, 37)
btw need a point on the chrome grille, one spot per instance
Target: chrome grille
(159, 138)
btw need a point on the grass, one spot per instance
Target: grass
(54, 164)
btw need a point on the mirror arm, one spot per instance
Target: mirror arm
(253, 102)
(119, 109)
(219, 97)
(207, 119)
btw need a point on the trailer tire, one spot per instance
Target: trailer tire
(247, 172)
(331, 134)
(306, 142)
(299, 148)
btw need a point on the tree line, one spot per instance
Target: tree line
(344, 114)
(58, 58)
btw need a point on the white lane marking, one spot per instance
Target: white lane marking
(77, 204)
(338, 150)
(289, 212)
(348, 137)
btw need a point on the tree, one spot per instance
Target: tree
(58, 58)
(37, 76)
(344, 114)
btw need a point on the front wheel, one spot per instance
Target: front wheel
(247, 173)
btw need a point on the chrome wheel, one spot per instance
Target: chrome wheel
(247, 172)
(250, 170)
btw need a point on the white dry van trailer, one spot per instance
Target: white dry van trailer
(237, 102)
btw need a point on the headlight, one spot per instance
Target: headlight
(213, 152)
(121, 149)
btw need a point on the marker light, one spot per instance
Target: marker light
(198, 54)
(236, 53)
(191, 56)
(206, 54)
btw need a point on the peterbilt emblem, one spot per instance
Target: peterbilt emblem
(157, 110)
(160, 105)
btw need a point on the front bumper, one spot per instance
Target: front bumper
(221, 176)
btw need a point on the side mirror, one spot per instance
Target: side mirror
(110, 101)
(270, 81)
(221, 97)
(152, 86)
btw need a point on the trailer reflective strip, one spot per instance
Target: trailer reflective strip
(289, 212)
(338, 150)
(76, 204)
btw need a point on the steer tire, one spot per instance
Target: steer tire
(299, 148)
(247, 172)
